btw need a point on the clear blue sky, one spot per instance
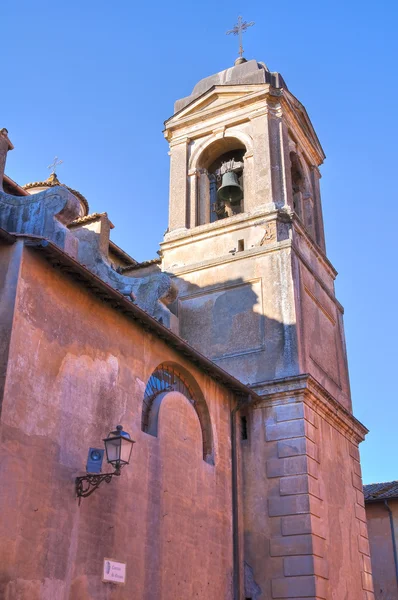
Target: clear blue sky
(92, 82)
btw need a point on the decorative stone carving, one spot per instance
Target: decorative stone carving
(47, 214)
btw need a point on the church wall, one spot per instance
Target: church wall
(77, 367)
(305, 525)
(241, 314)
(321, 337)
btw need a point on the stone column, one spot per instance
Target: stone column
(319, 229)
(258, 175)
(178, 199)
(5, 146)
(278, 144)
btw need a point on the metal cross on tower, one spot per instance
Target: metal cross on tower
(54, 164)
(240, 28)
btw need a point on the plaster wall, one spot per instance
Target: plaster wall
(76, 369)
(381, 549)
(241, 314)
(263, 313)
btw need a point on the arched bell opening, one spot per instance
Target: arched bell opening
(297, 183)
(221, 190)
(302, 192)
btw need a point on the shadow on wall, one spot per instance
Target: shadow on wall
(226, 323)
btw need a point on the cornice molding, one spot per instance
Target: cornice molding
(307, 389)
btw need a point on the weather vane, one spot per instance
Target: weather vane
(240, 28)
(54, 164)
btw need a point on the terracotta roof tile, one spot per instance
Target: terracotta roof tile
(380, 491)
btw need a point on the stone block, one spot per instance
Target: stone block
(291, 545)
(316, 506)
(312, 450)
(280, 467)
(289, 412)
(363, 529)
(318, 546)
(305, 565)
(357, 468)
(356, 482)
(289, 505)
(294, 566)
(367, 582)
(310, 432)
(284, 430)
(311, 416)
(312, 467)
(360, 513)
(297, 484)
(296, 524)
(294, 587)
(367, 564)
(360, 498)
(354, 451)
(302, 524)
(292, 447)
(363, 545)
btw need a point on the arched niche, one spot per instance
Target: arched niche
(210, 162)
(302, 192)
(171, 377)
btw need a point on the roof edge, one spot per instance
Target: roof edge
(118, 301)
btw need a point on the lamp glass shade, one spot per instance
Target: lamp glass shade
(118, 446)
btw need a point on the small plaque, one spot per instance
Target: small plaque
(114, 571)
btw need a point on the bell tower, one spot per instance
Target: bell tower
(245, 247)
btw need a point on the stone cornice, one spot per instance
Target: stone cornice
(239, 221)
(307, 389)
(193, 112)
(228, 258)
(309, 141)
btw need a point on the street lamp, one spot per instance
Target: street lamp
(118, 448)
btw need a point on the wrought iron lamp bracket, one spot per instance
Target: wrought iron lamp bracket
(87, 484)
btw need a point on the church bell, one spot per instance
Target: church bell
(230, 189)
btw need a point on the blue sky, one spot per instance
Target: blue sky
(93, 82)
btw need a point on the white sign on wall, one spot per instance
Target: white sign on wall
(114, 571)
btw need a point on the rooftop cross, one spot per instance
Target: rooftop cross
(239, 28)
(54, 164)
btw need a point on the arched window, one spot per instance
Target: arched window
(297, 183)
(168, 377)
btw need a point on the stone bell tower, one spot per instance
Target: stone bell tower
(256, 295)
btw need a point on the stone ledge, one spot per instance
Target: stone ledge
(305, 388)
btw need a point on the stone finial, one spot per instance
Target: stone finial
(5, 146)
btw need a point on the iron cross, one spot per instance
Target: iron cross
(239, 28)
(54, 164)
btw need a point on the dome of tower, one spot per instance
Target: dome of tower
(243, 72)
(52, 181)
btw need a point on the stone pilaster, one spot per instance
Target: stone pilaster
(298, 531)
(362, 527)
(178, 186)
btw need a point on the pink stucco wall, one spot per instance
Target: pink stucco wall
(76, 368)
(381, 547)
